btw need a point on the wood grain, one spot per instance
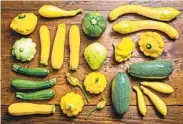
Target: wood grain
(173, 51)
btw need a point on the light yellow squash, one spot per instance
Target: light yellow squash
(57, 56)
(151, 44)
(50, 11)
(158, 86)
(161, 13)
(124, 49)
(158, 103)
(74, 43)
(45, 44)
(141, 101)
(18, 109)
(71, 104)
(129, 26)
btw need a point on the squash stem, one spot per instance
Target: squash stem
(15, 67)
(84, 93)
(89, 112)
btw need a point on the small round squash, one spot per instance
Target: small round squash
(95, 82)
(94, 24)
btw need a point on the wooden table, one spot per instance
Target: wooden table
(173, 52)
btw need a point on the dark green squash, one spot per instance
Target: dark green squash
(121, 93)
(156, 69)
(94, 24)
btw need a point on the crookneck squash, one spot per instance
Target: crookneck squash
(94, 24)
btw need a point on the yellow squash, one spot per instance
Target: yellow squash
(74, 43)
(57, 56)
(159, 104)
(141, 101)
(45, 44)
(24, 23)
(50, 11)
(95, 82)
(159, 86)
(161, 13)
(151, 44)
(124, 49)
(18, 109)
(129, 26)
(71, 104)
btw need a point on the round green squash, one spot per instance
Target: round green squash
(94, 24)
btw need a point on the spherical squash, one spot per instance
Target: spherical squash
(94, 24)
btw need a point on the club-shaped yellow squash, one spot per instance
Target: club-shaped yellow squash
(161, 13)
(57, 56)
(158, 103)
(141, 101)
(50, 11)
(74, 43)
(45, 44)
(129, 26)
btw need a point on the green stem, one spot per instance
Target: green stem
(148, 46)
(21, 16)
(85, 95)
(15, 67)
(89, 112)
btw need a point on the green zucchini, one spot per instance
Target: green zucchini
(39, 95)
(21, 84)
(30, 71)
(121, 93)
(156, 69)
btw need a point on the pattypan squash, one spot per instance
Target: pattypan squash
(151, 44)
(124, 49)
(95, 82)
(24, 23)
(24, 49)
(71, 104)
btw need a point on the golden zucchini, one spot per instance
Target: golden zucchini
(128, 26)
(18, 109)
(158, 103)
(57, 56)
(161, 13)
(45, 44)
(74, 43)
(141, 101)
(158, 86)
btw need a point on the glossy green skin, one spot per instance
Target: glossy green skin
(39, 95)
(21, 84)
(121, 93)
(30, 71)
(91, 29)
(95, 55)
(156, 69)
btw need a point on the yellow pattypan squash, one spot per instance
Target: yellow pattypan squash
(124, 49)
(95, 82)
(151, 44)
(71, 104)
(24, 23)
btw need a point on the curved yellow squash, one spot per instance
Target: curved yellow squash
(141, 101)
(57, 56)
(158, 103)
(50, 11)
(161, 13)
(18, 109)
(128, 26)
(74, 43)
(45, 44)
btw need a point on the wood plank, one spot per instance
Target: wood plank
(110, 68)
(105, 116)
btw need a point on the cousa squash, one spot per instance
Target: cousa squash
(121, 93)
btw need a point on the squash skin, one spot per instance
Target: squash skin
(129, 26)
(121, 93)
(18, 109)
(94, 24)
(161, 13)
(156, 69)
